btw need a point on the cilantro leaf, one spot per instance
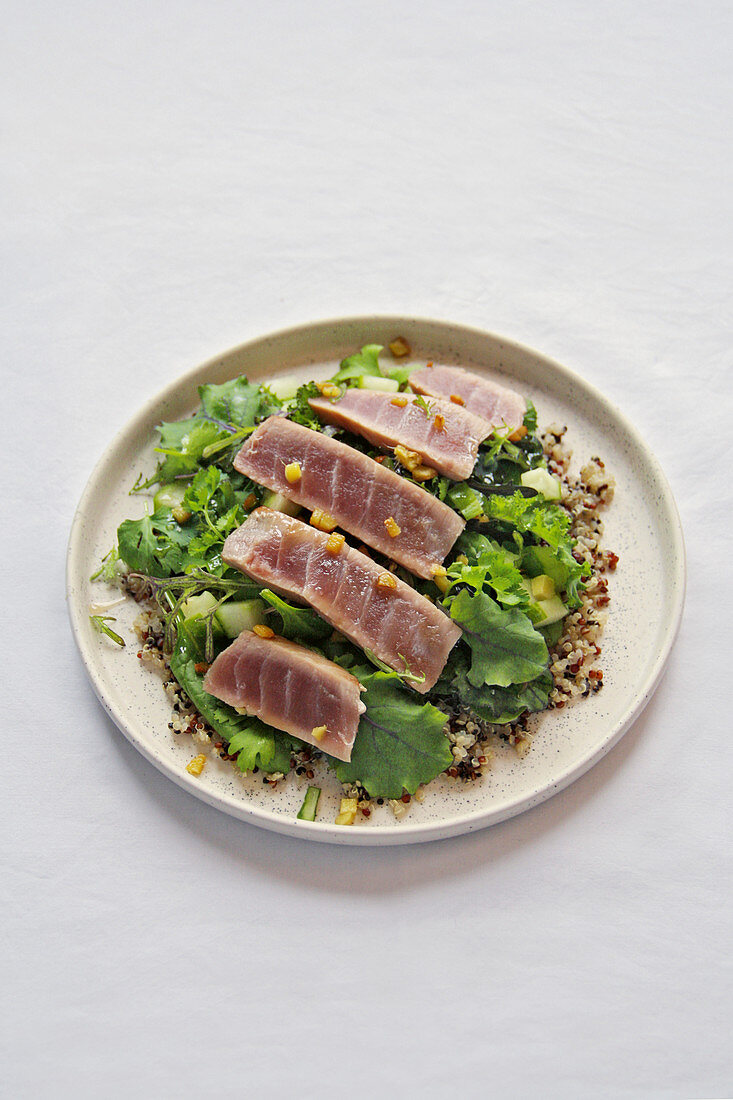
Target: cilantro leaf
(300, 411)
(400, 743)
(183, 443)
(505, 647)
(238, 402)
(155, 545)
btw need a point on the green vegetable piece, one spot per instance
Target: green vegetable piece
(99, 622)
(307, 811)
(234, 617)
(155, 545)
(237, 402)
(505, 647)
(299, 624)
(501, 705)
(362, 362)
(400, 743)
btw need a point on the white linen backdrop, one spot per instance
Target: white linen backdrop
(177, 178)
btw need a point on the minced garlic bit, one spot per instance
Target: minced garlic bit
(347, 811)
(407, 458)
(393, 529)
(424, 473)
(263, 631)
(293, 472)
(518, 434)
(334, 543)
(399, 347)
(319, 732)
(322, 520)
(400, 401)
(457, 399)
(196, 766)
(386, 580)
(439, 421)
(328, 389)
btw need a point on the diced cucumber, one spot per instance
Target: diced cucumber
(307, 811)
(280, 503)
(242, 615)
(543, 587)
(378, 382)
(543, 481)
(195, 607)
(553, 610)
(284, 388)
(169, 496)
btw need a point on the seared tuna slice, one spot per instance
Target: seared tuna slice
(291, 688)
(360, 495)
(372, 607)
(445, 436)
(501, 406)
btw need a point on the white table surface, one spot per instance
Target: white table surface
(177, 178)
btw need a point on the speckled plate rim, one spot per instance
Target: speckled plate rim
(403, 832)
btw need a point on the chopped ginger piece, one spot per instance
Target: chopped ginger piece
(518, 434)
(386, 580)
(328, 389)
(263, 631)
(393, 529)
(399, 347)
(457, 399)
(424, 473)
(196, 766)
(543, 587)
(293, 472)
(347, 811)
(334, 543)
(319, 732)
(322, 520)
(400, 401)
(407, 458)
(439, 421)
(440, 577)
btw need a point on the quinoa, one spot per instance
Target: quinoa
(574, 658)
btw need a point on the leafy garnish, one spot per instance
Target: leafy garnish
(298, 624)
(362, 362)
(154, 545)
(425, 406)
(300, 411)
(501, 705)
(99, 622)
(400, 743)
(505, 647)
(238, 402)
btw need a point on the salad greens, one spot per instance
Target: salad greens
(498, 670)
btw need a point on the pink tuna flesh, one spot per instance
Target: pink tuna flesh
(386, 419)
(398, 625)
(358, 492)
(291, 688)
(502, 407)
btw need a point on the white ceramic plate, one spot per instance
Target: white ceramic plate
(647, 591)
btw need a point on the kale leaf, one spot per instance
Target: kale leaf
(400, 743)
